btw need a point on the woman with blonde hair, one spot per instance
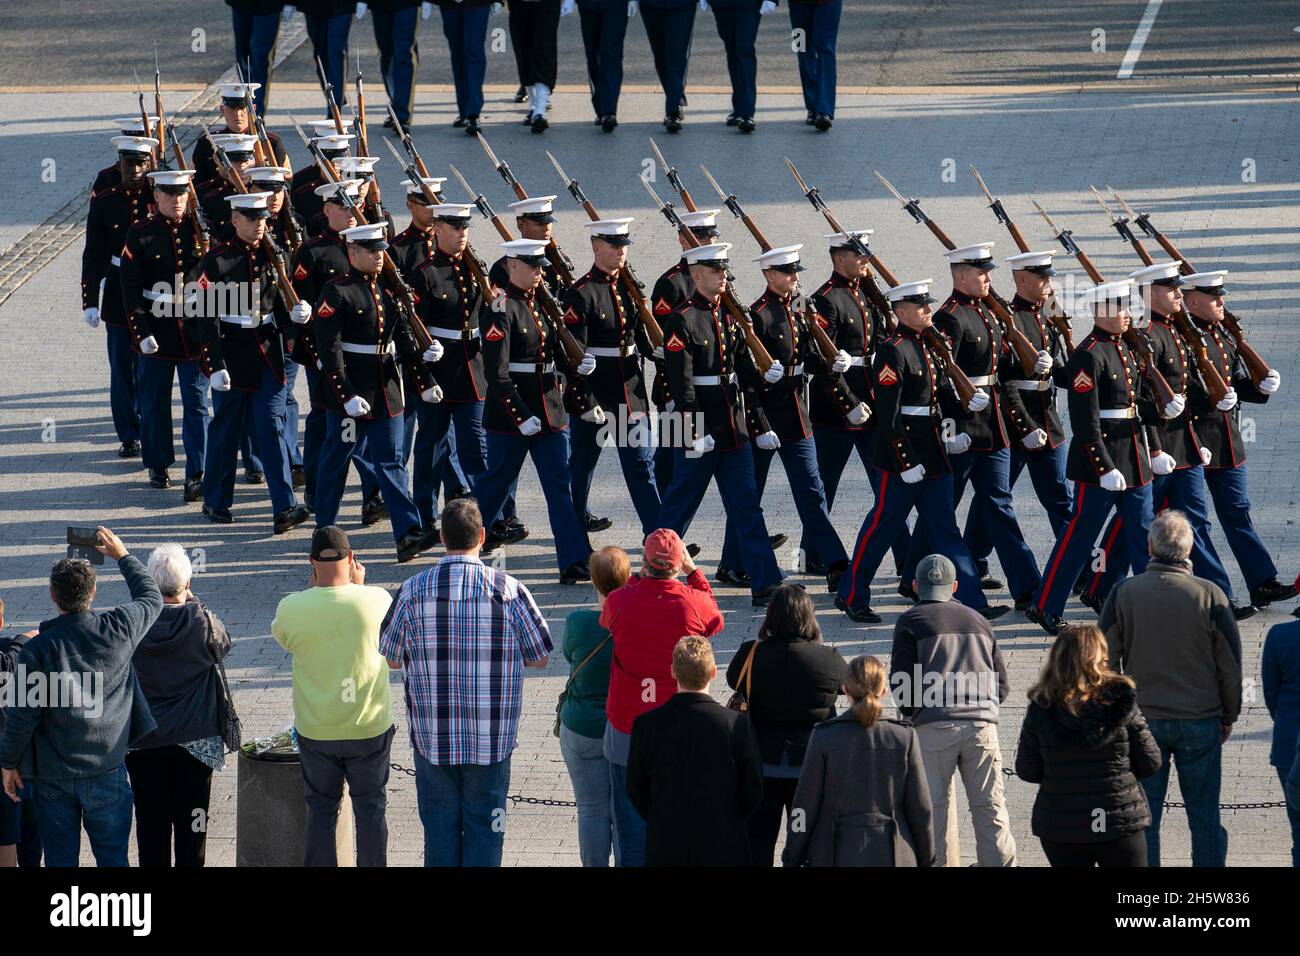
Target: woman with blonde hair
(862, 798)
(1086, 744)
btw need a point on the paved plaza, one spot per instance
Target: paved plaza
(1217, 168)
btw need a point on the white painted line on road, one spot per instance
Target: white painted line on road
(1139, 40)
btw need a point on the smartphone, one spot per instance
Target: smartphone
(81, 544)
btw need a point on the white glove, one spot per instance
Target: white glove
(959, 444)
(587, 365)
(289, 11)
(567, 7)
(432, 394)
(632, 8)
(913, 474)
(1229, 399)
(149, 345)
(426, 10)
(1035, 439)
(1271, 382)
(361, 10)
(658, 354)
(1043, 364)
(1163, 463)
(595, 414)
(301, 313)
(703, 444)
(1176, 406)
(979, 401)
(497, 8)
(843, 362)
(531, 427)
(858, 414)
(1205, 454)
(1113, 481)
(220, 380)
(433, 353)
(767, 7)
(356, 406)
(91, 316)
(773, 374)
(768, 441)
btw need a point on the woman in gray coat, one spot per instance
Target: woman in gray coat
(862, 790)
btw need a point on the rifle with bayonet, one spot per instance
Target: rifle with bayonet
(1135, 339)
(161, 134)
(674, 179)
(762, 358)
(808, 313)
(554, 254)
(327, 90)
(1055, 314)
(359, 121)
(156, 154)
(550, 306)
(1024, 349)
(1215, 386)
(1254, 362)
(196, 214)
(260, 151)
(405, 298)
(633, 286)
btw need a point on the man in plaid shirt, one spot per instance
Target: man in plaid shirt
(464, 633)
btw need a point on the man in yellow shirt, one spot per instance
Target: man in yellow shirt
(342, 710)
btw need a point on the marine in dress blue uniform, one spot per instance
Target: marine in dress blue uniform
(302, 188)
(737, 22)
(234, 113)
(819, 24)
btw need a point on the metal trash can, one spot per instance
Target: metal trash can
(271, 813)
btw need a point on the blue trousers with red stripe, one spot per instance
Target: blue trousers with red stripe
(1231, 504)
(1183, 490)
(1047, 472)
(932, 497)
(1074, 545)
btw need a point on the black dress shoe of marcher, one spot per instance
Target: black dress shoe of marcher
(388, 124)
(776, 540)
(1270, 591)
(1242, 611)
(298, 477)
(373, 511)
(194, 488)
(764, 597)
(255, 477)
(458, 122)
(158, 478)
(595, 524)
(989, 583)
(1024, 600)
(672, 124)
(992, 612)
(733, 119)
(693, 550)
(414, 542)
(290, 518)
(810, 118)
(608, 122)
(747, 124)
(733, 579)
(834, 574)
(1048, 622)
(472, 125)
(814, 566)
(1091, 601)
(575, 573)
(218, 515)
(512, 534)
(539, 122)
(128, 449)
(858, 615)
(822, 122)
(521, 94)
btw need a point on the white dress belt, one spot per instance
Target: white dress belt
(981, 381)
(246, 321)
(793, 370)
(1030, 385)
(530, 368)
(153, 296)
(611, 351)
(116, 260)
(714, 379)
(441, 333)
(918, 410)
(1130, 412)
(858, 360)
(372, 348)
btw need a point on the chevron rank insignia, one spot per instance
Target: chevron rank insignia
(301, 272)
(674, 343)
(1083, 383)
(325, 310)
(662, 307)
(494, 333)
(887, 376)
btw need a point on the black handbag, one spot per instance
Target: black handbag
(231, 732)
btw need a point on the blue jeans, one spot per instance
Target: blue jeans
(396, 35)
(1232, 506)
(255, 35)
(466, 31)
(629, 827)
(123, 382)
(1196, 747)
(380, 439)
(636, 459)
(589, 771)
(100, 803)
(820, 23)
(262, 411)
(157, 449)
(329, 44)
(462, 808)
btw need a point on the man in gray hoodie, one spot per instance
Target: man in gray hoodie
(76, 707)
(947, 676)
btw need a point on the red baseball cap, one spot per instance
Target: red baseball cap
(664, 549)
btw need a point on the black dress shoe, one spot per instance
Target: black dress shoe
(218, 515)
(511, 532)
(733, 119)
(822, 122)
(858, 615)
(415, 541)
(528, 119)
(388, 124)
(834, 574)
(472, 125)
(776, 540)
(906, 590)
(1243, 611)
(693, 550)
(815, 566)
(1091, 601)
(158, 478)
(747, 124)
(575, 573)
(128, 449)
(673, 124)
(309, 501)
(989, 583)
(298, 477)
(255, 477)
(194, 488)
(1270, 591)
(539, 122)
(992, 612)
(608, 122)
(521, 94)
(1024, 600)
(290, 518)
(1047, 621)
(595, 524)
(732, 579)
(458, 122)
(810, 118)
(373, 511)
(764, 597)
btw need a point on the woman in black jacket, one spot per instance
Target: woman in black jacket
(792, 685)
(1086, 744)
(171, 768)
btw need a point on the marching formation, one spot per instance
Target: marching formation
(435, 375)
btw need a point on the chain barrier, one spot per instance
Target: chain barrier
(1174, 805)
(514, 797)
